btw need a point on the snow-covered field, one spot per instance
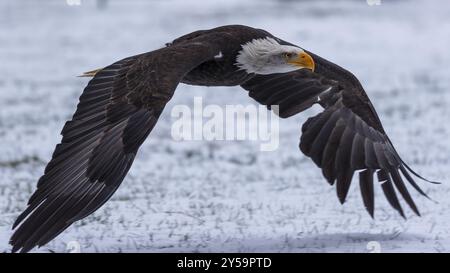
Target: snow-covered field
(228, 196)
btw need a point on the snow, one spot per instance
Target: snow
(227, 195)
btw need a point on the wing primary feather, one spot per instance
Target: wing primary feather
(55, 219)
(343, 168)
(419, 176)
(409, 168)
(389, 192)
(329, 154)
(367, 192)
(400, 185)
(412, 182)
(357, 159)
(310, 129)
(370, 156)
(321, 140)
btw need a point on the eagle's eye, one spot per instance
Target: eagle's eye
(288, 55)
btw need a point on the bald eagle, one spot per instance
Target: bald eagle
(123, 101)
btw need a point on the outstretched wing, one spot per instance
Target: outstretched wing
(347, 137)
(117, 110)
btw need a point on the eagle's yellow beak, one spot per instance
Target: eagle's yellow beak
(303, 60)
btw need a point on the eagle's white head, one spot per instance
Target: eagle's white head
(267, 56)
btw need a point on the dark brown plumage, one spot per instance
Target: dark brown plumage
(122, 103)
